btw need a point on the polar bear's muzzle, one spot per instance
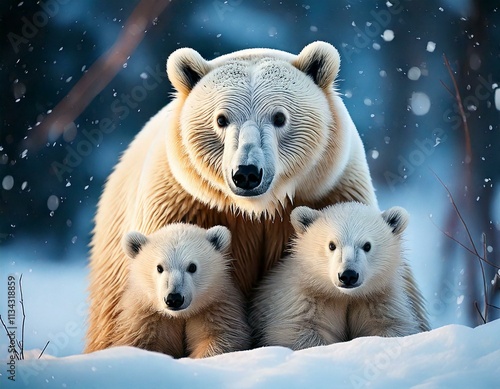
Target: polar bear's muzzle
(250, 169)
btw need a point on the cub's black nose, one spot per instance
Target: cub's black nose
(174, 300)
(348, 278)
(247, 177)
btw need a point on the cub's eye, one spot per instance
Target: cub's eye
(332, 246)
(279, 119)
(159, 268)
(192, 268)
(367, 246)
(222, 121)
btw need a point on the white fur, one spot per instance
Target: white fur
(179, 167)
(174, 248)
(247, 87)
(211, 319)
(303, 303)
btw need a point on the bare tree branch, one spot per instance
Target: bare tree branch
(21, 346)
(448, 89)
(46, 344)
(485, 288)
(452, 200)
(484, 316)
(479, 311)
(458, 98)
(99, 74)
(452, 238)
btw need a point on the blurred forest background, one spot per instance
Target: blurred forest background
(80, 78)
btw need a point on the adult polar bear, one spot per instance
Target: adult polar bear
(247, 135)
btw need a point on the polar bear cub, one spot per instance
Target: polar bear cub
(180, 299)
(345, 278)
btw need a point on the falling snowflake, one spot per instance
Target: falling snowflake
(388, 35)
(53, 202)
(414, 73)
(8, 182)
(420, 103)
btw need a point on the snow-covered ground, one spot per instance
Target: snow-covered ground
(453, 356)
(54, 300)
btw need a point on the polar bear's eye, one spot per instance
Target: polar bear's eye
(367, 246)
(279, 119)
(222, 121)
(159, 268)
(191, 268)
(332, 246)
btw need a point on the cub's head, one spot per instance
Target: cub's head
(179, 269)
(350, 245)
(251, 125)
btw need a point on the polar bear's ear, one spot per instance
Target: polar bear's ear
(397, 218)
(321, 61)
(303, 217)
(133, 243)
(185, 67)
(220, 237)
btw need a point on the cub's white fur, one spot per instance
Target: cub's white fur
(180, 299)
(345, 278)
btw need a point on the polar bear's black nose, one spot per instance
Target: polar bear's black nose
(348, 278)
(174, 300)
(247, 177)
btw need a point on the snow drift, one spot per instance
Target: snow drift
(453, 356)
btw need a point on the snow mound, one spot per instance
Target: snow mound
(452, 356)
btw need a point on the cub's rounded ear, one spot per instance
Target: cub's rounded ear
(220, 237)
(303, 217)
(185, 67)
(133, 242)
(397, 218)
(321, 61)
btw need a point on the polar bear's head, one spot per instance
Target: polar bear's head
(179, 269)
(253, 125)
(350, 245)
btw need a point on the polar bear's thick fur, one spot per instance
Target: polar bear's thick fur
(346, 277)
(180, 299)
(247, 135)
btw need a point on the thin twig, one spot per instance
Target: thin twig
(453, 238)
(458, 98)
(464, 246)
(452, 200)
(24, 316)
(484, 316)
(479, 311)
(46, 344)
(485, 288)
(446, 87)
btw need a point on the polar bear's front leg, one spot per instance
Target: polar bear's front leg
(218, 330)
(308, 338)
